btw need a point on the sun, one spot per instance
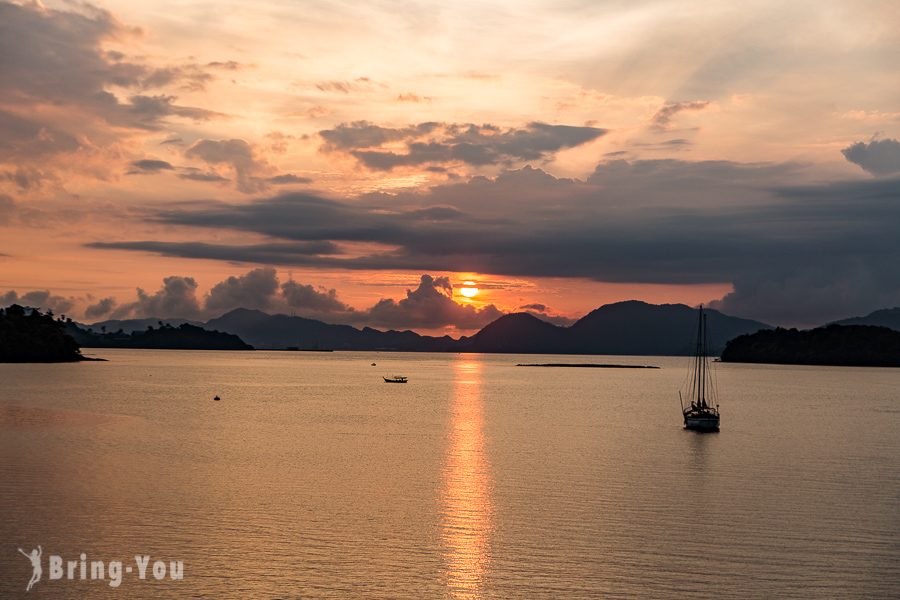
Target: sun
(469, 291)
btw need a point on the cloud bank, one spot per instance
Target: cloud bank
(68, 104)
(878, 157)
(429, 305)
(663, 221)
(473, 145)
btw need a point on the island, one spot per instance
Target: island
(833, 345)
(163, 337)
(587, 365)
(30, 336)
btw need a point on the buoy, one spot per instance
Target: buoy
(216, 398)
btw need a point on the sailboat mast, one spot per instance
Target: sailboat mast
(703, 358)
(699, 364)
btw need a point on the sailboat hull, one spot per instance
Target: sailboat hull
(701, 422)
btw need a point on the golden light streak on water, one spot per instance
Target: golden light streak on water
(467, 516)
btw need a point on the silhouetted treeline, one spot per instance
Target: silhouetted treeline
(838, 345)
(28, 335)
(164, 337)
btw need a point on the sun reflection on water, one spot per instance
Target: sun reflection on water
(467, 506)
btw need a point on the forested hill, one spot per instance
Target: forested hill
(32, 336)
(847, 345)
(183, 337)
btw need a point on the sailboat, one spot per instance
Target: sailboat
(702, 414)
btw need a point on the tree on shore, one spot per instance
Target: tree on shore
(28, 335)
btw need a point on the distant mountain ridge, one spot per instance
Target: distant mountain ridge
(627, 328)
(630, 327)
(263, 330)
(886, 317)
(131, 325)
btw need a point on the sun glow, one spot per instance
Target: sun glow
(469, 291)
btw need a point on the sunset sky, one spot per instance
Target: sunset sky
(359, 162)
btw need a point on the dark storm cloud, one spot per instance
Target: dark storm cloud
(878, 157)
(362, 134)
(150, 165)
(236, 153)
(100, 309)
(476, 145)
(189, 77)
(666, 221)
(663, 117)
(194, 174)
(287, 179)
(148, 111)
(275, 253)
(535, 307)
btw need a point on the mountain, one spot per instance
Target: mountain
(282, 331)
(623, 328)
(630, 327)
(887, 317)
(847, 345)
(183, 337)
(517, 333)
(634, 327)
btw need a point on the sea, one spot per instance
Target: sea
(313, 478)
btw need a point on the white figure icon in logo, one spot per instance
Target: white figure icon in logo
(35, 558)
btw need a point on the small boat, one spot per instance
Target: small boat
(702, 414)
(395, 379)
(216, 398)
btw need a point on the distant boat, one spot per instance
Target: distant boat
(216, 398)
(395, 379)
(702, 414)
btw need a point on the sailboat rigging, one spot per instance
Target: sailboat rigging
(702, 414)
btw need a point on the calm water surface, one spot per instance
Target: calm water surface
(478, 479)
